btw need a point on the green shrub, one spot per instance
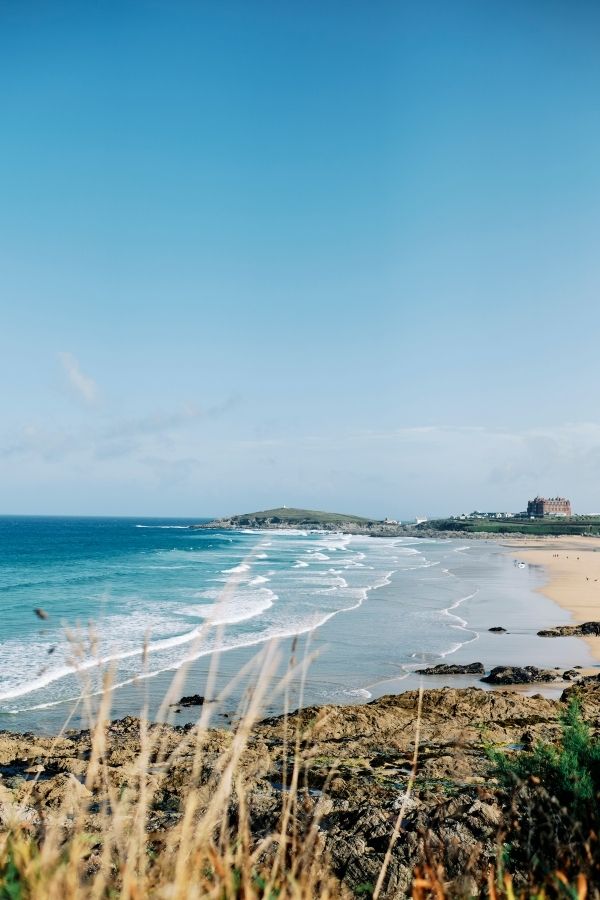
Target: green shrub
(552, 794)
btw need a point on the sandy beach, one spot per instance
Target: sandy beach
(572, 565)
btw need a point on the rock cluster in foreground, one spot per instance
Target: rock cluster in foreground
(356, 763)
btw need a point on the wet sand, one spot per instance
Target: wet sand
(572, 567)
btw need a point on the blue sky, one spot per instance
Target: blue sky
(337, 255)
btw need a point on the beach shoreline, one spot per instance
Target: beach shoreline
(572, 575)
(439, 602)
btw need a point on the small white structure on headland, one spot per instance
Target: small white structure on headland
(421, 519)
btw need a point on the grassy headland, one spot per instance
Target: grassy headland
(293, 516)
(580, 525)
(284, 517)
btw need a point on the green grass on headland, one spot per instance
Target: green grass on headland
(284, 514)
(580, 525)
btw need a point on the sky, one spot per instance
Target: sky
(337, 255)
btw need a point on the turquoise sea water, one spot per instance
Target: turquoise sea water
(143, 596)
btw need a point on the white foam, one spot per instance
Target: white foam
(184, 527)
(221, 613)
(238, 609)
(236, 569)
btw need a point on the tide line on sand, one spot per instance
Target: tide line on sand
(572, 567)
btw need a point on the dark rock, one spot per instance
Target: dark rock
(358, 763)
(497, 629)
(475, 668)
(592, 628)
(191, 700)
(586, 628)
(570, 674)
(519, 675)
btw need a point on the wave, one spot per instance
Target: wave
(185, 527)
(227, 615)
(238, 609)
(359, 693)
(284, 532)
(448, 610)
(362, 693)
(313, 596)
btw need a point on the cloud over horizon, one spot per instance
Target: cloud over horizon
(83, 386)
(168, 460)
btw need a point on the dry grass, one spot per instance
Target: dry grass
(210, 852)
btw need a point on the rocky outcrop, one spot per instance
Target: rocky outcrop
(355, 765)
(190, 700)
(520, 675)
(475, 668)
(586, 628)
(497, 629)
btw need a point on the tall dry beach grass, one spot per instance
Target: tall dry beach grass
(209, 852)
(100, 840)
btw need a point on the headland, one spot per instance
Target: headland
(284, 517)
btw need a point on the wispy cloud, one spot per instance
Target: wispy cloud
(84, 387)
(135, 437)
(434, 469)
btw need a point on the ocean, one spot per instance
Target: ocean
(142, 597)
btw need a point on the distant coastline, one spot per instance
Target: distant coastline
(475, 529)
(308, 520)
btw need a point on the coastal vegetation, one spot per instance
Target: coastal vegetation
(578, 525)
(552, 792)
(431, 794)
(284, 515)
